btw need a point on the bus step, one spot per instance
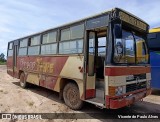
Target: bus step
(99, 99)
(96, 101)
(99, 93)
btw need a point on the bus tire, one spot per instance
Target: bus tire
(22, 80)
(71, 96)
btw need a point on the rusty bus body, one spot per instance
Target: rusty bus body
(105, 74)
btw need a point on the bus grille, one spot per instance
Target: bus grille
(140, 77)
(135, 86)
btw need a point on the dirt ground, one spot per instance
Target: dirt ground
(14, 99)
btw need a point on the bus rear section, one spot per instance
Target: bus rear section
(154, 48)
(102, 60)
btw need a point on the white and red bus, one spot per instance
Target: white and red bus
(92, 60)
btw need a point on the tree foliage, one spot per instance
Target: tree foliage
(2, 58)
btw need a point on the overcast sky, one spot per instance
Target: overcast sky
(19, 18)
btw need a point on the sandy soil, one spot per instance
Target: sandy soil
(14, 99)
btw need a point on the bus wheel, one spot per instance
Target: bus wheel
(71, 96)
(23, 83)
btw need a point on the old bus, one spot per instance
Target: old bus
(154, 46)
(93, 60)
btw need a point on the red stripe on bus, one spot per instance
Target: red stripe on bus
(47, 68)
(90, 93)
(118, 71)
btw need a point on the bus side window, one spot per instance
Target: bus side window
(10, 46)
(71, 41)
(10, 49)
(34, 45)
(23, 47)
(49, 43)
(152, 35)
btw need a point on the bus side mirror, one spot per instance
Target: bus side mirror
(118, 31)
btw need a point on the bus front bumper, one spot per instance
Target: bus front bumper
(115, 103)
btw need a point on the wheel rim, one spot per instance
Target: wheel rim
(72, 96)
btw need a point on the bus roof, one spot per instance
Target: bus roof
(154, 30)
(82, 20)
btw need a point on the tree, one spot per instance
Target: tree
(2, 57)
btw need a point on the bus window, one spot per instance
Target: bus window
(154, 41)
(92, 43)
(70, 47)
(129, 48)
(73, 38)
(101, 46)
(74, 32)
(22, 51)
(152, 36)
(65, 34)
(34, 47)
(10, 49)
(141, 50)
(49, 37)
(10, 46)
(33, 50)
(35, 40)
(23, 47)
(49, 49)
(24, 43)
(77, 31)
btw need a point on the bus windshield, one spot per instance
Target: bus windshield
(131, 49)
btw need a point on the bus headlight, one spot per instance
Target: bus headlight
(119, 90)
(148, 84)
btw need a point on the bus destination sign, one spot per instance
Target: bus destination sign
(132, 20)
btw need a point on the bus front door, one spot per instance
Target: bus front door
(90, 65)
(94, 71)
